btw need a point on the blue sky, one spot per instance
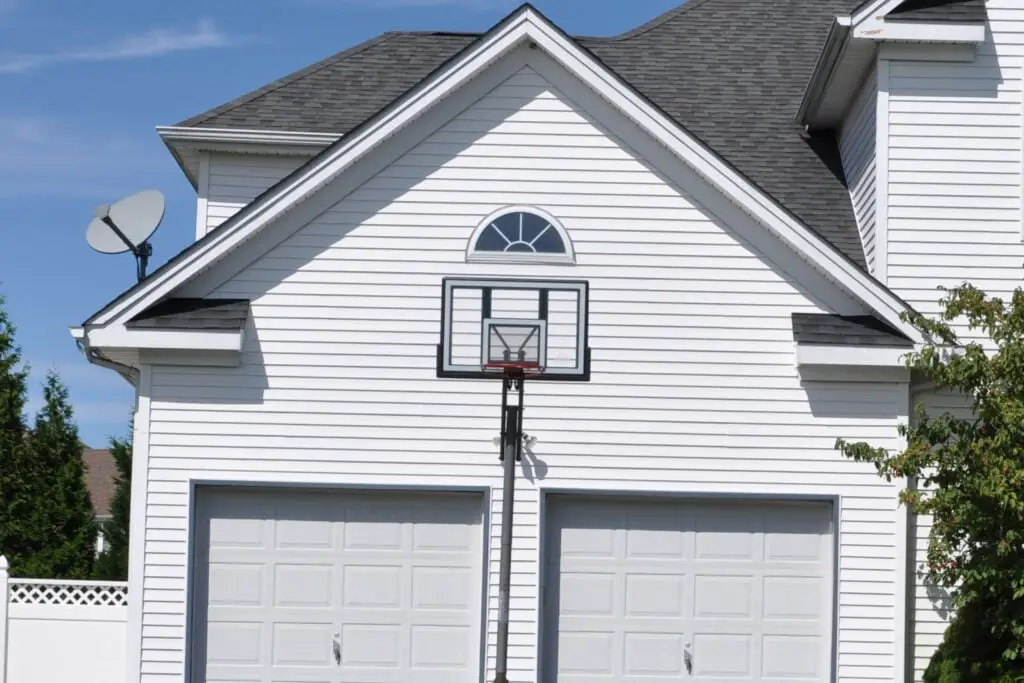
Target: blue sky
(84, 85)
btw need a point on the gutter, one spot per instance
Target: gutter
(130, 374)
(239, 135)
(824, 68)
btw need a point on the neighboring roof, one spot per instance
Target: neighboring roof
(194, 314)
(845, 330)
(728, 71)
(100, 478)
(957, 11)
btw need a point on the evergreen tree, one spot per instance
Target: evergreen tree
(112, 564)
(61, 528)
(15, 461)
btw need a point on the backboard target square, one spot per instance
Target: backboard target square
(537, 322)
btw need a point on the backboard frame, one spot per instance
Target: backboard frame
(581, 373)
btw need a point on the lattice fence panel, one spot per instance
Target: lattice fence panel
(68, 594)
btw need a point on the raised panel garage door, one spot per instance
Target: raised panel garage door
(314, 587)
(642, 592)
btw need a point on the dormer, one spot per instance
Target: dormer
(848, 90)
(941, 30)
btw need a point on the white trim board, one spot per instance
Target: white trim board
(882, 172)
(869, 23)
(851, 356)
(525, 26)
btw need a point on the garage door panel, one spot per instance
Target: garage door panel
(394, 579)
(638, 583)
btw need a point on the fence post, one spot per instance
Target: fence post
(4, 597)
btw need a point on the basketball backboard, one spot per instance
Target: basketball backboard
(488, 323)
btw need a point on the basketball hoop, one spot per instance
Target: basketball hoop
(498, 329)
(514, 370)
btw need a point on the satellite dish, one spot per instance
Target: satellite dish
(127, 225)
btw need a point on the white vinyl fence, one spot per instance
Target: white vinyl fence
(57, 631)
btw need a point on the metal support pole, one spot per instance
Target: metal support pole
(511, 444)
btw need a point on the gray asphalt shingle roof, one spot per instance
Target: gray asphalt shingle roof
(194, 314)
(731, 72)
(846, 330)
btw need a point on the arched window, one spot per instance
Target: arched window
(523, 234)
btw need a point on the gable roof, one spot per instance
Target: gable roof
(730, 72)
(522, 27)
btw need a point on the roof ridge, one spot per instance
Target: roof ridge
(288, 78)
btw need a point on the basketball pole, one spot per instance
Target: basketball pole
(511, 453)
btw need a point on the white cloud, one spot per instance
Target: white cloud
(152, 43)
(43, 156)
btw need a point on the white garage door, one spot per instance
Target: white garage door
(644, 592)
(336, 586)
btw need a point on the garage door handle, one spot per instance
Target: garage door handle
(336, 647)
(688, 658)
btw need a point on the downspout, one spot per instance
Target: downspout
(130, 374)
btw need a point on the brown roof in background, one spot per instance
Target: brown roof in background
(100, 473)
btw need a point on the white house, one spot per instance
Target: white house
(751, 194)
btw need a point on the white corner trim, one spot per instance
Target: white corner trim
(851, 356)
(882, 172)
(903, 554)
(120, 337)
(178, 134)
(202, 194)
(521, 27)
(137, 523)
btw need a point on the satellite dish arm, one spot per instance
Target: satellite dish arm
(141, 252)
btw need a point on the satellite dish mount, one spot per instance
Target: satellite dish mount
(127, 225)
(141, 252)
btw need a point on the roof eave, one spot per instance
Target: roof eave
(824, 68)
(183, 141)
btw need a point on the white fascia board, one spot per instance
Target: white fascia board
(821, 77)
(851, 356)
(869, 23)
(920, 32)
(874, 10)
(527, 25)
(254, 137)
(120, 337)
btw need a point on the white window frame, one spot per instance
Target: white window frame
(474, 256)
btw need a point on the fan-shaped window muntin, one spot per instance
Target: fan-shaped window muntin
(521, 234)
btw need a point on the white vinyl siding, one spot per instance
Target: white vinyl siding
(931, 603)
(694, 386)
(954, 186)
(955, 167)
(857, 147)
(234, 180)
